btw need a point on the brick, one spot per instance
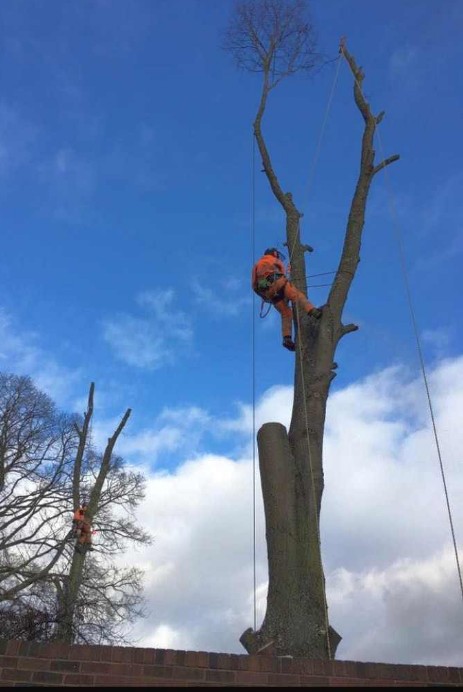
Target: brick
(47, 676)
(96, 667)
(172, 683)
(380, 682)
(188, 673)
(132, 670)
(379, 671)
(314, 681)
(8, 661)
(399, 671)
(224, 676)
(158, 657)
(78, 679)
(35, 650)
(35, 663)
(172, 657)
(455, 674)
(294, 666)
(138, 656)
(84, 652)
(15, 674)
(249, 677)
(106, 653)
(343, 682)
(65, 666)
(3, 646)
(412, 683)
(234, 661)
(322, 668)
(437, 674)
(149, 656)
(258, 663)
(158, 671)
(115, 681)
(9, 683)
(349, 668)
(197, 659)
(220, 661)
(121, 655)
(284, 680)
(13, 648)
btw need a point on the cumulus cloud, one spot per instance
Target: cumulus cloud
(151, 340)
(392, 580)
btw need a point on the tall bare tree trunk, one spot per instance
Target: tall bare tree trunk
(291, 464)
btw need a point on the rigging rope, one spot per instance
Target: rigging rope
(301, 360)
(319, 144)
(253, 259)
(399, 239)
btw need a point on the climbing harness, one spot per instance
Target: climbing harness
(263, 314)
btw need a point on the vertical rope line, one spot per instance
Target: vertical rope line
(253, 253)
(408, 292)
(323, 127)
(319, 142)
(399, 239)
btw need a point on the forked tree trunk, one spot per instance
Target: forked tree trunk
(291, 464)
(69, 595)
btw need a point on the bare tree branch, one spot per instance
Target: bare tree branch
(386, 162)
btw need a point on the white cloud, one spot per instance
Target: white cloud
(392, 582)
(153, 340)
(227, 297)
(403, 60)
(20, 354)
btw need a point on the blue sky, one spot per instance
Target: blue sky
(125, 198)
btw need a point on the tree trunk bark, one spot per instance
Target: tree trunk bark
(67, 601)
(296, 620)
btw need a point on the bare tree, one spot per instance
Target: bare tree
(31, 616)
(103, 479)
(275, 38)
(49, 465)
(37, 447)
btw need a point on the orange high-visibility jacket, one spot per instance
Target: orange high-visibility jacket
(80, 518)
(266, 266)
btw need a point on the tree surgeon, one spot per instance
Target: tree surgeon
(270, 282)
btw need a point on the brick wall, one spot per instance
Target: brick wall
(30, 664)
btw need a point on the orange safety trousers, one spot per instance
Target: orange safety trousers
(279, 293)
(85, 533)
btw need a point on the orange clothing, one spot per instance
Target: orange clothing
(267, 266)
(278, 291)
(84, 530)
(79, 514)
